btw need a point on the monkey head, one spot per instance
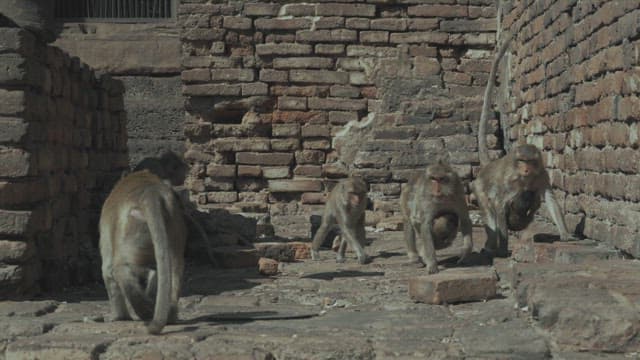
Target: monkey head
(528, 161)
(441, 178)
(169, 166)
(356, 189)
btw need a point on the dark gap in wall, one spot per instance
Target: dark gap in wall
(226, 116)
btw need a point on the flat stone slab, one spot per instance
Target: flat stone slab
(454, 286)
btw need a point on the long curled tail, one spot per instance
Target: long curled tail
(486, 103)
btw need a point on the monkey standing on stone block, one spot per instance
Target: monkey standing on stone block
(345, 207)
(433, 207)
(509, 189)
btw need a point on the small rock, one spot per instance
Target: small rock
(302, 250)
(453, 286)
(267, 266)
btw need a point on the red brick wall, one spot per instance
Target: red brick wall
(574, 87)
(283, 99)
(62, 145)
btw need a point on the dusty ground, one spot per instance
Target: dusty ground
(571, 301)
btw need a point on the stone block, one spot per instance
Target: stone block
(196, 75)
(312, 157)
(233, 257)
(240, 144)
(316, 144)
(334, 9)
(261, 9)
(12, 102)
(276, 172)
(313, 198)
(212, 90)
(329, 49)
(319, 76)
(15, 252)
(236, 22)
(283, 49)
(476, 25)
(267, 266)
(292, 103)
(15, 162)
(249, 171)
(253, 158)
(433, 10)
(295, 185)
(308, 170)
(337, 103)
(285, 130)
(14, 130)
(257, 88)
(222, 197)
(302, 63)
(419, 37)
(214, 170)
(245, 75)
(269, 75)
(282, 24)
(330, 36)
(280, 251)
(290, 144)
(380, 37)
(454, 286)
(315, 131)
(299, 9)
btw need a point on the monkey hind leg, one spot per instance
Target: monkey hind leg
(133, 281)
(410, 240)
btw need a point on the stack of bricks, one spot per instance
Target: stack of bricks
(575, 94)
(62, 145)
(274, 89)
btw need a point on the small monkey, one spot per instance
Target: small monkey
(142, 241)
(509, 189)
(433, 207)
(345, 207)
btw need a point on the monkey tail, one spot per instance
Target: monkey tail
(155, 214)
(486, 103)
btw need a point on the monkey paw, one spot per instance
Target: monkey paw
(432, 269)
(364, 260)
(464, 256)
(315, 255)
(340, 259)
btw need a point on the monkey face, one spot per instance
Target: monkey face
(355, 199)
(441, 177)
(528, 160)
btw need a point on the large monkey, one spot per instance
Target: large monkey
(509, 190)
(433, 207)
(172, 169)
(345, 207)
(142, 240)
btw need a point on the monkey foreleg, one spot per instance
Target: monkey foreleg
(427, 250)
(556, 215)
(349, 234)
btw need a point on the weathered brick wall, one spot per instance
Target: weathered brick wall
(574, 89)
(283, 99)
(62, 145)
